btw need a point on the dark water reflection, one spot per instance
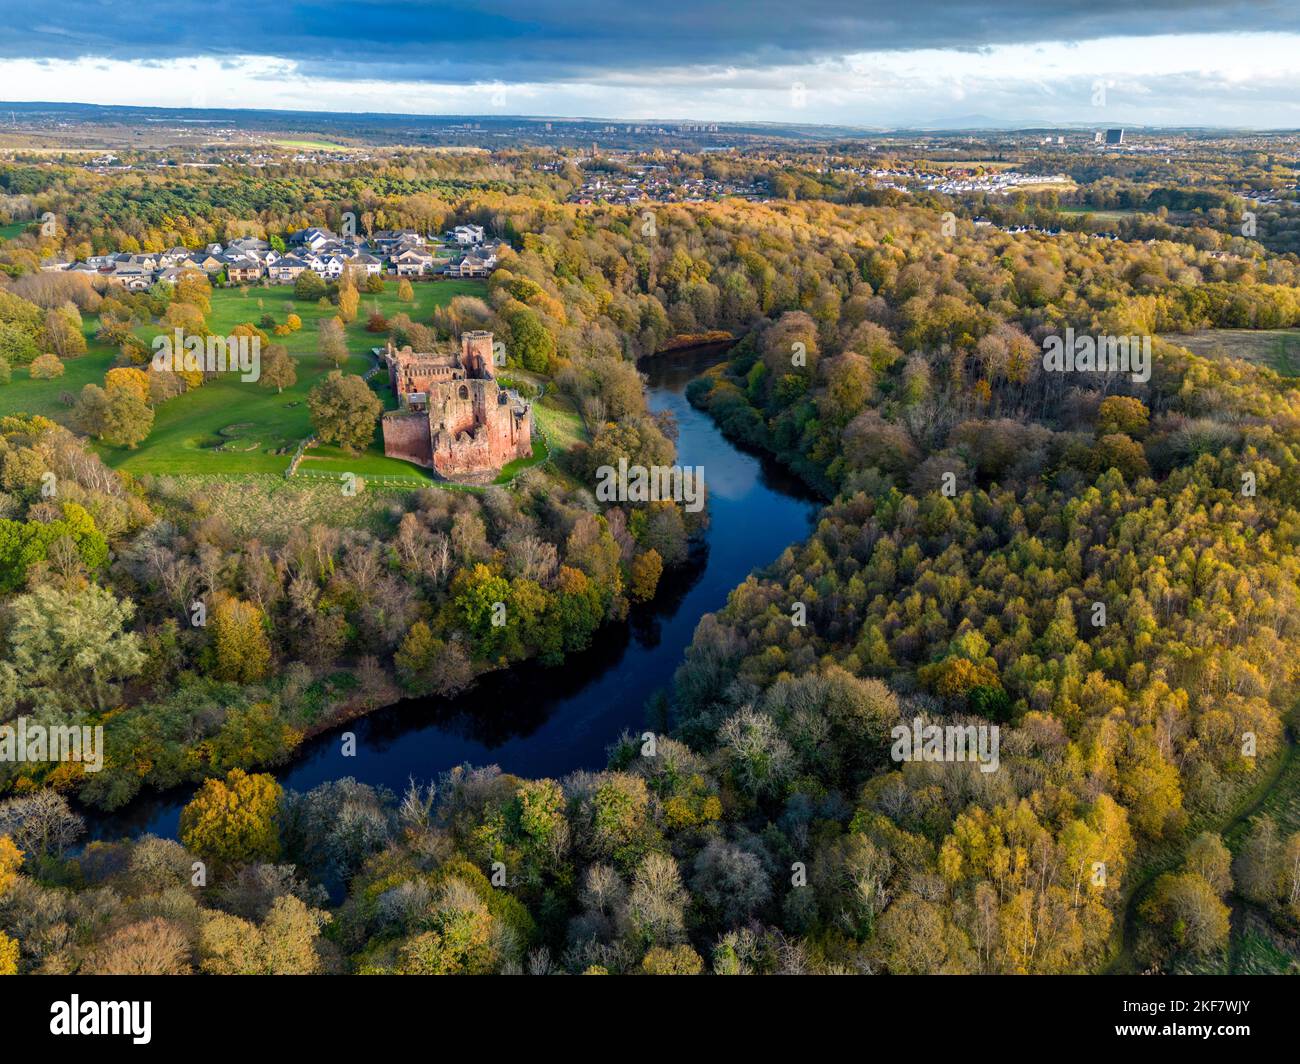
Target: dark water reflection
(548, 722)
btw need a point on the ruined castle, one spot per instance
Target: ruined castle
(453, 417)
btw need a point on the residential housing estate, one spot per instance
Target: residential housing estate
(464, 251)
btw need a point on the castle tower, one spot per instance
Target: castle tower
(476, 354)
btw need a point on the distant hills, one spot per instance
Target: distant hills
(119, 126)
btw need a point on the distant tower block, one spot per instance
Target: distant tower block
(476, 353)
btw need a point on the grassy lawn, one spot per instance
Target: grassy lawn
(559, 421)
(230, 427)
(1279, 349)
(370, 463)
(227, 426)
(318, 145)
(234, 306)
(560, 424)
(26, 396)
(517, 465)
(1099, 214)
(13, 229)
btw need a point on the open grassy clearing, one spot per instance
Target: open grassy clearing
(1099, 214)
(517, 465)
(26, 396)
(268, 507)
(335, 461)
(1279, 349)
(231, 427)
(559, 421)
(317, 145)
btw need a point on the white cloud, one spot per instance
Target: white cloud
(1233, 79)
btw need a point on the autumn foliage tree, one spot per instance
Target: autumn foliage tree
(344, 410)
(235, 820)
(241, 648)
(279, 370)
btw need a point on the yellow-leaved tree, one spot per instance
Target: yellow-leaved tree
(243, 652)
(235, 820)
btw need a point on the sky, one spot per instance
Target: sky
(905, 63)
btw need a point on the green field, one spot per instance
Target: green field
(13, 229)
(373, 464)
(233, 306)
(317, 145)
(1279, 349)
(26, 396)
(560, 423)
(1098, 213)
(230, 427)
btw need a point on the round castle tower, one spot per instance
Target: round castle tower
(476, 354)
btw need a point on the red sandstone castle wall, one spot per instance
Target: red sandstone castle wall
(458, 415)
(406, 436)
(476, 353)
(465, 457)
(524, 435)
(493, 444)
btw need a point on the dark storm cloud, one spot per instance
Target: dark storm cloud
(549, 40)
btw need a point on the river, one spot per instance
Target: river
(538, 722)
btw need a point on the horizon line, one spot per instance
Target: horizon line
(1003, 127)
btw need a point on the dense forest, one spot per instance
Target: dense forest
(1102, 567)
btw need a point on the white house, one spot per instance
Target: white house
(314, 238)
(468, 235)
